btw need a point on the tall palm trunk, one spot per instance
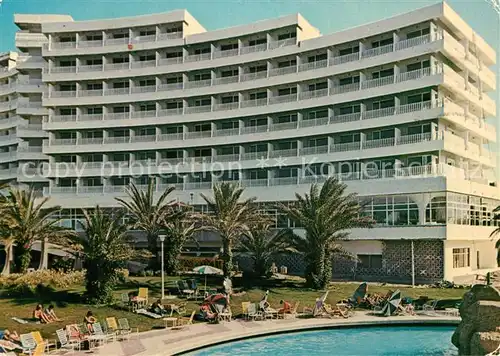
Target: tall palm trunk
(8, 259)
(44, 254)
(315, 273)
(154, 263)
(227, 257)
(172, 252)
(22, 258)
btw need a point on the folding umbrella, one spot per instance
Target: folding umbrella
(392, 304)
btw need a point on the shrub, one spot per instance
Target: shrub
(52, 278)
(149, 273)
(122, 274)
(188, 263)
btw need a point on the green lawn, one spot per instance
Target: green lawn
(71, 310)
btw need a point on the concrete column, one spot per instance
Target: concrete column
(397, 104)
(330, 143)
(395, 39)
(362, 140)
(397, 70)
(331, 114)
(362, 78)
(397, 136)
(361, 49)
(362, 107)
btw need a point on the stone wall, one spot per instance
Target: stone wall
(478, 332)
(396, 263)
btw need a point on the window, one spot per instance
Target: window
(350, 50)
(94, 111)
(418, 98)
(286, 118)
(229, 73)
(173, 54)
(94, 62)
(383, 73)
(147, 107)
(287, 91)
(120, 35)
(202, 50)
(418, 33)
(147, 82)
(202, 76)
(259, 68)
(370, 261)
(94, 86)
(435, 212)
(349, 138)
(120, 60)
(317, 58)
(229, 99)
(67, 63)
(203, 102)
(149, 32)
(260, 95)
(174, 105)
(67, 87)
(317, 114)
(228, 47)
(461, 257)
(70, 38)
(174, 29)
(147, 57)
(389, 103)
(120, 85)
(289, 63)
(351, 109)
(318, 86)
(376, 135)
(257, 42)
(67, 111)
(121, 109)
(285, 36)
(349, 80)
(382, 43)
(94, 37)
(419, 65)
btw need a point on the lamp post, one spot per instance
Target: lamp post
(162, 239)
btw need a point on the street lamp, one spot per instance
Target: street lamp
(162, 239)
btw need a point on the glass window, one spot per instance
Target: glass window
(461, 257)
(370, 261)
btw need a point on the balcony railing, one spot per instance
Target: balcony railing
(417, 172)
(337, 60)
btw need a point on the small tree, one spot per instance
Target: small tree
(178, 231)
(494, 234)
(148, 214)
(28, 219)
(230, 216)
(262, 243)
(104, 249)
(326, 214)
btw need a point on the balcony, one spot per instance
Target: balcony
(334, 61)
(307, 95)
(30, 62)
(27, 39)
(419, 172)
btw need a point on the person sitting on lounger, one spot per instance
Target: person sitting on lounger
(40, 316)
(89, 321)
(158, 308)
(286, 307)
(208, 315)
(51, 314)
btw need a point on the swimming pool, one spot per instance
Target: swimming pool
(390, 340)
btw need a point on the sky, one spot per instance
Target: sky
(327, 15)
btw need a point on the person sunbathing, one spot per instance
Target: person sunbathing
(89, 321)
(11, 336)
(40, 316)
(208, 315)
(51, 314)
(158, 308)
(286, 307)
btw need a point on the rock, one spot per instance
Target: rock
(480, 311)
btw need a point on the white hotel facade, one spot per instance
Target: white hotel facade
(397, 109)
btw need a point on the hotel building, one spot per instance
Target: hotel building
(397, 109)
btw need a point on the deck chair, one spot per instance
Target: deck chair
(73, 333)
(143, 293)
(125, 328)
(253, 313)
(39, 340)
(126, 301)
(98, 337)
(330, 311)
(28, 343)
(184, 289)
(185, 322)
(244, 309)
(65, 343)
(291, 314)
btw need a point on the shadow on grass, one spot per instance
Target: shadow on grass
(41, 294)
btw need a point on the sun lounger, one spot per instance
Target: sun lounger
(185, 289)
(28, 343)
(183, 323)
(143, 311)
(98, 338)
(253, 313)
(65, 342)
(244, 309)
(125, 328)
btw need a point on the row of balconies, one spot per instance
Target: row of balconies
(245, 130)
(105, 42)
(427, 171)
(334, 60)
(306, 95)
(23, 153)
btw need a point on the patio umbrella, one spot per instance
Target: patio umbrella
(217, 299)
(206, 270)
(392, 303)
(323, 297)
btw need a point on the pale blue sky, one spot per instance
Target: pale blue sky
(327, 15)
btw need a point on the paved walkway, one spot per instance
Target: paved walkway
(172, 342)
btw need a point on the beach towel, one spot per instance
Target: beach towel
(147, 313)
(25, 321)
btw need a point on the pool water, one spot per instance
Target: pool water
(391, 340)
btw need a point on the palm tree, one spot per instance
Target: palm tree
(147, 214)
(326, 215)
(229, 216)
(178, 231)
(496, 217)
(104, 247)
(26, 219)
(261, 243)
